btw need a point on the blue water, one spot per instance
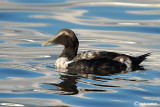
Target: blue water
(28, 76)
(5, 60)
(104, 45)
(30, 45)
(9, 72)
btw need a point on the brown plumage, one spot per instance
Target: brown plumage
(89, 60)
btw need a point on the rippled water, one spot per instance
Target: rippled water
(27, 73)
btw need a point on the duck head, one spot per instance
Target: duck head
(68, 39)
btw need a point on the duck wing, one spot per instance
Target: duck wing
(90, 55)
(96, 65)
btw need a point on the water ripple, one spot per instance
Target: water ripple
(29, 77)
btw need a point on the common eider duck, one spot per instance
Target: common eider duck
(89, 60)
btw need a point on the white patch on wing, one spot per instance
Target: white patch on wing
(121, 60)
(62, 62)
(83, 56)
(124, 60)
(87, 55)
(128, 63)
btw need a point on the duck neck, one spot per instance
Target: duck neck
(69, 52)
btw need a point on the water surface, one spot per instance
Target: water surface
(29, 77)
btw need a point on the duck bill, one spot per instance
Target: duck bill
(49, 42)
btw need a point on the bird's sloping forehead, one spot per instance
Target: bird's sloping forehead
(66, 32)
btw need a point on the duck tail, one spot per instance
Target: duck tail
(141, 58)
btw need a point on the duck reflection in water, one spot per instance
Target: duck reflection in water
(68, 86)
